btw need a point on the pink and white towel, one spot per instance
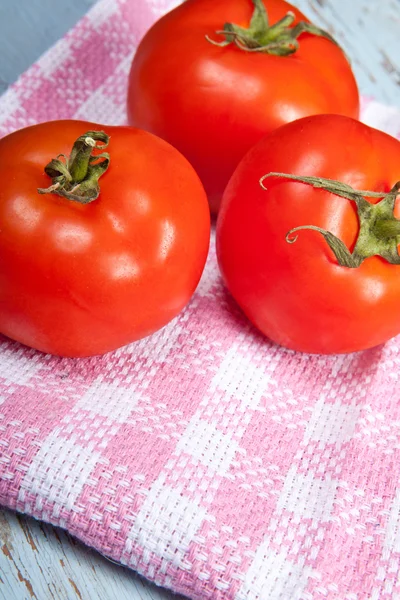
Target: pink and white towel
(208, 459)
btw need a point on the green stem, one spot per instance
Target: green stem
(379, 232)
(77, 177)
(387, 228)
(280, 39)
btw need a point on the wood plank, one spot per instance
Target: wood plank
(368, 31)
(29, 27)
(42, 562)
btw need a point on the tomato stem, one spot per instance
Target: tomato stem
(77, 177)
(280, 39)
(387, 228)
(379, 232)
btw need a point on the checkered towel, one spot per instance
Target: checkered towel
(208, 459)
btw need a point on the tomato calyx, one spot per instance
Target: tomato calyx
(77, 177)
(279, 39)
(379, 232)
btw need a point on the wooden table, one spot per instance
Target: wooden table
(39, 561)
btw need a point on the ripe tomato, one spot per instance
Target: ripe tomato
(82, 279)
(299, 294)
(214, 103)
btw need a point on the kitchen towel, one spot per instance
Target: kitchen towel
(205, 457)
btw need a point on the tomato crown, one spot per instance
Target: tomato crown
(77, 177)
(279, 39)
(379, 233)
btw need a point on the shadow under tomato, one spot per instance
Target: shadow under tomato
(367, 359)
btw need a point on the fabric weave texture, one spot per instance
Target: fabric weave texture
(205, 457)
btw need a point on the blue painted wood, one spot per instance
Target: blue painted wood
(29, 27)
(40, 561)
(368, 30)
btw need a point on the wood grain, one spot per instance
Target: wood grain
(368, 30)
(40, 561)
(29, 27)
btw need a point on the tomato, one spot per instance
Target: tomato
(80, 278)
(213, 103)
(320, 293)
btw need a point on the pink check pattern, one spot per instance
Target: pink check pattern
(206, 458)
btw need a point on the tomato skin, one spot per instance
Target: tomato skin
(79, 280)
(297, 294)
(213, 103)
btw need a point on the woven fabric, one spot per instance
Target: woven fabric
(208, 459)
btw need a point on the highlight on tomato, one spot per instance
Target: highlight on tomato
(99, 248)
(213, 77)
(308, 235)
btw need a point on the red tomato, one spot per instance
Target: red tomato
(214, 103)
(298, 294)
(83, 279)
